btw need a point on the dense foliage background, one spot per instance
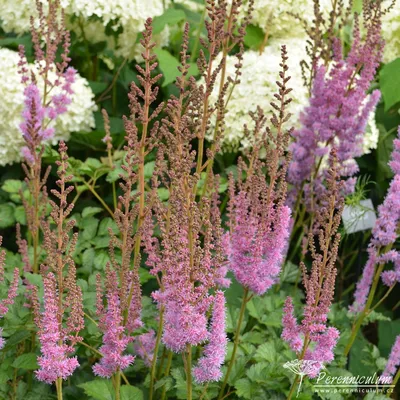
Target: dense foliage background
(105, 49)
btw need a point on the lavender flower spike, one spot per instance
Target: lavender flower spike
(114, 339)
(383, 234)
(209, 366)
(394, 360)
(54, 362)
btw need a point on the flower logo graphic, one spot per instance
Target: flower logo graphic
(302, 368)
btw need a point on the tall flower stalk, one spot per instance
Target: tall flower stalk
(313, 340)
(62, 318)
(259, 219)
(12, 291)
(384, 236)
(338, 111)
(42, 106)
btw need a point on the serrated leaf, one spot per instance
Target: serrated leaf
(12, 186)
(90, 211)
(99, 389)
(105, 225)
(266, 352)
(26, 361)
(131, 393)
(244, 388)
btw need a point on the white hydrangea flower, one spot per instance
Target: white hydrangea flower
(391, 34)
(128, 14)
(79, 116)
(257, 87)
(371, 136)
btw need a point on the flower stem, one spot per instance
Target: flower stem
(395, 380)
(117, 384)
(235, 343)
(189, 372)
(59, 389)
(292, 388)
(365, 311)
(166, 373)
(154, 361)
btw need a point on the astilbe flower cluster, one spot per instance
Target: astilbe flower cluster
(313, 339)
(62, 318)
(259, 219)
(54, 362)
(393, 363)
(144, 346)
(208, 368)
(384, 235)
(12, 291)
(115, 340)
(187, 257)
(130, 213)
(42, 107)
(339, 108)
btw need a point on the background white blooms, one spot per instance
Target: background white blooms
(257, 86)
(391, 34)
(130, 15)
(79, 116)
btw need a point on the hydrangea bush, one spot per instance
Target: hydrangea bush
(175, 178)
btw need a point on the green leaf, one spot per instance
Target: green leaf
(266, 352)
(90, 211)
(26, 361)
(88, 258)
(170, 17)
(131, 393)
(89, 228)
(104, 226)
(12, 186)
(390, 83)
(7, 218)
(245, 388)
(97, 87)
(144, 275)
(99, 389)
(19, 214)
(254, 36)
(169, 66)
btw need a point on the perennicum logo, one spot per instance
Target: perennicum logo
(325, 383)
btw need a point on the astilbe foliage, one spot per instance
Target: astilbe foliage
(12, 291)
(384, 235)
(339, 108)
(259, 220)
(62, 319)
(319, 283)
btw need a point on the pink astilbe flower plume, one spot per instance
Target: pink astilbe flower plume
(209, 366)
(312, 339)
(259, 220)
(115, 340)
(62, 319)
(48, 90)
(393, 363)
(12, 291)
(339, 109)
(144, 346)
(54, 362)
(384, 235)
